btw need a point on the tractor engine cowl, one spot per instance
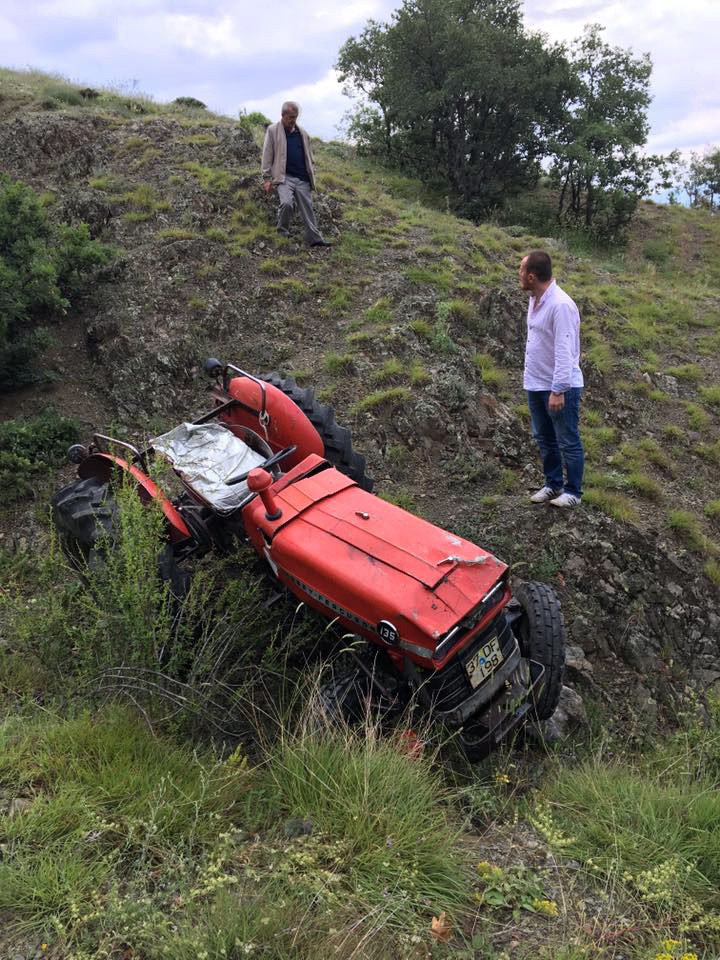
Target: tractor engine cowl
(260, 481)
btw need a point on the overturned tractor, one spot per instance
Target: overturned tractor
(268, 464)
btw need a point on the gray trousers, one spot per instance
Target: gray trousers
(295, 192)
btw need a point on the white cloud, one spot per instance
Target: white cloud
(322, 104)
(697, 131)
(227, 51)
(682, 41)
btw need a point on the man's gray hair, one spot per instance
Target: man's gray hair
(290, 105)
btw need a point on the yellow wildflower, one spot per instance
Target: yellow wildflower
(670, 945)
(689, 956)
(547, 907)
(663, 956)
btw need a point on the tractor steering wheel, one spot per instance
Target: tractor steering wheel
(270, 462)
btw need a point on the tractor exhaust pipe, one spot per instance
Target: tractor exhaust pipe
(260, 481)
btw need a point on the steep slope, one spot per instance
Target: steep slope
(413, 327)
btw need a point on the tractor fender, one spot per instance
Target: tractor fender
(286, 426)
(102, 465)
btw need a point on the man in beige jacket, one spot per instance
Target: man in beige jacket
(287, 164)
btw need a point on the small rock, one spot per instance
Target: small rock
(569, 715)
(578, 668)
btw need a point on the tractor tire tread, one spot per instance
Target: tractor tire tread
(546, 640)
(337, 440)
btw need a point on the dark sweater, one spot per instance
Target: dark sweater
(295, 166)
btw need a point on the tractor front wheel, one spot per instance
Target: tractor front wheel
(541, 634)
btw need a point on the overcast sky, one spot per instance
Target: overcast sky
(255, 55)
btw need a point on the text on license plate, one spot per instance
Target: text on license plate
(484, 662)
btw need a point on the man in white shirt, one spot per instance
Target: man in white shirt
(553, 381)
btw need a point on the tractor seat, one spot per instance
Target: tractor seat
(206, 456)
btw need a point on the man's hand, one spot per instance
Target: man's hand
(556, 402)
(267, 186)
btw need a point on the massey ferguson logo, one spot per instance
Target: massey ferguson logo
(388, 633)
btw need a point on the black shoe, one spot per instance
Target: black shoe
(321, 243)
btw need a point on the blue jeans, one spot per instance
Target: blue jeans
(558, 438)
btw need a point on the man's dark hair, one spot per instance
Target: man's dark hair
(539, 263)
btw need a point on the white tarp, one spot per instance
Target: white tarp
(206, 455)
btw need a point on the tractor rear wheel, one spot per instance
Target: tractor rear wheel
(85, 515)
(541, 634)
(337, 440)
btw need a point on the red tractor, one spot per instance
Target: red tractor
(435, 612)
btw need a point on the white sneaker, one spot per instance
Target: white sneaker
(565, 500)
(543, 495)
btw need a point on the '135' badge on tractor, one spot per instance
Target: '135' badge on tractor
(268, 464)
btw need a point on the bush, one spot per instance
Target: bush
(43, 267)
(28, 448)
(191, 102)
(64, 93)
(254, 119)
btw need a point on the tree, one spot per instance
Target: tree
(599, 165)
(702, 178)
(462, 95)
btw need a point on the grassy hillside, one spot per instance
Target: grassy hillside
(201, 820)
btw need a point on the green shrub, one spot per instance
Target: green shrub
(43, 267)
(212, 179)
(337, 364)
(391, 395)
(698, 417)
(614, 504)
(686, 371)
(658, 251)
(192, 102)
(711, 395)
(390, 370)
(648, 823)
(712, 509)
(387, 812)
(254, 119)
(144, 201)
(64, 93)
(712, 571)
(645, 486)
(30, 448)
(492, 376)
(176, 233)
(200, 140)
(687, 527)
(380, 312)
(422, 328)
(134, 840)
(462, 310)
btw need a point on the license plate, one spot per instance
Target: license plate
(488, 657)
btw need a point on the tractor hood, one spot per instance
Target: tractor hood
(374, 564)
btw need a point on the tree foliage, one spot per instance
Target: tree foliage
(459, 93)
(598, 164)
(43, 267)
(702, 178)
